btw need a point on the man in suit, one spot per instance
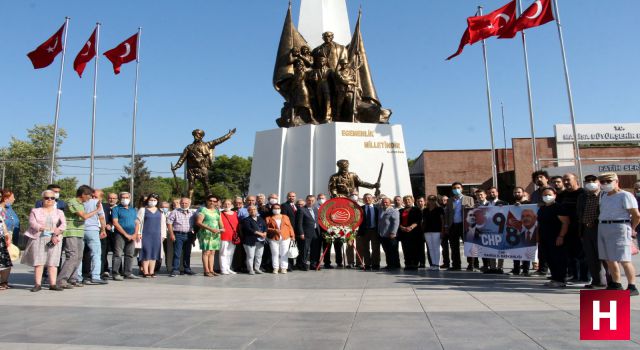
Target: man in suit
(368, 240)
(454, 223)
(388, 224)
(308, 235)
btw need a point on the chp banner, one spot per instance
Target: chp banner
(501, 232)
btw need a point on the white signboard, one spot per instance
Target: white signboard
(599, 133)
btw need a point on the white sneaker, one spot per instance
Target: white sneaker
(275, 271)
(283, 271)
(225, 273)
(232, 272)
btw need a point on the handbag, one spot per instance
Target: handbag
(14, 252)
(293, 250)
(235, 239)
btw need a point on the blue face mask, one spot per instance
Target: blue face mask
(456, 192)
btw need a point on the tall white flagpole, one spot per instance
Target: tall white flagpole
(57, 115)
(95, 97)
(576, 147)
(135, 111)
(494, 169)
(534, 150)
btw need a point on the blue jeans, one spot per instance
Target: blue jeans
(181, 248)
(92, 240)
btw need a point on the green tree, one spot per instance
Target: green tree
(229, 176)
(27, 179)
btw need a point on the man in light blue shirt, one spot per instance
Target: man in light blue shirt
(94, 230)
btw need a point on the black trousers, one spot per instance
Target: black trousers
(556, 257)
(577, 265)
(444, 243)
(412, 244)
(337, 248)
(590, 247)
(390, 246)
(524, 264)
(454, 236)
(309, 249)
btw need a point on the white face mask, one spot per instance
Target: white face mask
(276, 211)
(354, 198)
(591, 186)
(152, 204)
(227, 209)
(273, 201)
(125, 201)
(607, 187)
(548, 199)
(321, 201)
(56, 195)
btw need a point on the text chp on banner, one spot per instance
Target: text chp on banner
(503, 232)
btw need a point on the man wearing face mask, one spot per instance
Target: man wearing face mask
(124, 222)
(308, 235)
(60, 204)
(618, 219)
(454, 224)
(180, 223)
(587, 209)
(577, 265)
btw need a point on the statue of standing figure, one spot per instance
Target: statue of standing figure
(199, 158)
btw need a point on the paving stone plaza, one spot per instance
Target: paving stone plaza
(328, 309)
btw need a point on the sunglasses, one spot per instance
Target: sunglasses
(213, 200)
(49, 198)
(606, 181)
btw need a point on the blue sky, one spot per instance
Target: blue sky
(208, 64)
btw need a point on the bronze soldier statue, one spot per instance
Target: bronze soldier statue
(199, 157)
(342, 183)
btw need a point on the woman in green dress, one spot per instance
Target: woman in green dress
(208, 220)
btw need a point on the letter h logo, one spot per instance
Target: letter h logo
(605, 315)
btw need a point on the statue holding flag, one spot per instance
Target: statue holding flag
(332, 83)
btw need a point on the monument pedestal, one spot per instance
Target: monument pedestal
(301, 159)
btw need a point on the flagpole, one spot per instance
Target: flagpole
(95, 97)
(494, 170)
(534, 150)
(135, 111)
(57, 115)
(576, 147)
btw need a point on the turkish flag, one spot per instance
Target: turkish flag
(126, 52)
(485, 26)
(539, 13)
(85, 55)
(44, 54)
(491, 24)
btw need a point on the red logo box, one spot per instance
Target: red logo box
(605, 315)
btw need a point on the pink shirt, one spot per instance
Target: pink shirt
(38, 220)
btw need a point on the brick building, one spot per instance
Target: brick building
(603, 147)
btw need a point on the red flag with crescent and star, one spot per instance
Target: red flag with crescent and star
(44, 54)
(539, 13)
(486, 26)
(124, 53)
(86, 54)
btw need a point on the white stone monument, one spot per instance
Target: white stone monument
(302, 158)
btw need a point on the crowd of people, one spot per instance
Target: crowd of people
(584, 234)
